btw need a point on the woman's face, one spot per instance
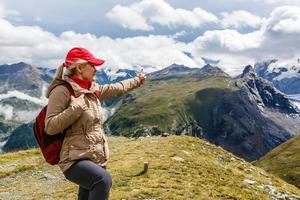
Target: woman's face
(88, 71)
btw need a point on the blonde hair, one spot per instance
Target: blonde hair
(70, 70)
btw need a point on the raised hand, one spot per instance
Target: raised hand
(142, 76)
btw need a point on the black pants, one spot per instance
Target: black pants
(93, 180)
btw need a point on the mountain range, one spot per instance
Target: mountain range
(245, 115)
(284, 76)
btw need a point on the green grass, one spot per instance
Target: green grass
(162, 102)
(284, 161)
(14, 162)
(205, 171)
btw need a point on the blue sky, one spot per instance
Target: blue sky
(151, 33)
(59, 16)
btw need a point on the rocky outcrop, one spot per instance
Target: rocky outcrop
(255, 119)
(264, 93)
(285, 77)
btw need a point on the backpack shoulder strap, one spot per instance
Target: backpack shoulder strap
(69, 87)
(71, 91)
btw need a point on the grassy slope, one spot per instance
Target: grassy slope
(284, 161)
(162, 102)
(206, 172)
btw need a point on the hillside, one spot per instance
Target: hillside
(246, 116)
(21, 137)
(284, 161)
(180, 167)
(168, 103)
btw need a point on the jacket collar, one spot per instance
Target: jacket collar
(94, 88)
(82, 83)
(78, 90)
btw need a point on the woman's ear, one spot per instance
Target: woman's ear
(79, 69)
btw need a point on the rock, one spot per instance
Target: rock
(49, 177)
(250, 182)
(165, 134)
(264, 174)
(275, 194)
(177, 158)
(146, 131)
(186, 152)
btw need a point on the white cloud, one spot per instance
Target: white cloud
(38, 19)
(278, 37)
(25, 116)
(11, 113)
(141, 15)
(128, 18)
(273, 2)
(282, 2)
(179, 34)
(231, 40)
(6, 111)
(9, 14)
(239, 19)
(2, 12)
(128, 52)
(285, 19)
(36, 46)
(23, 96)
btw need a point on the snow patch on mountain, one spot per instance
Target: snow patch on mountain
(23, 96)
(285, 69)
(108, 112)
(297, 104)
(2, 145)
(295, 99)
(115, 74)
(119, 74)
(6, 111)
(294, 96)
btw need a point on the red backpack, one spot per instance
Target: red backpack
(50, 145)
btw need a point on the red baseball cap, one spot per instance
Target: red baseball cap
(81, 53)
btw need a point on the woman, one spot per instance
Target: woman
(84, 154)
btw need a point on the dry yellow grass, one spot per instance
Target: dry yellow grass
(180, 167)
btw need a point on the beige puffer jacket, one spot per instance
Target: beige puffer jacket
(85, 137)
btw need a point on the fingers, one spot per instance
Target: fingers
(142, 76)
(77, 98)
(79, 101)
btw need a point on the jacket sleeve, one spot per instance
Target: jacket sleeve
(117, 89)
(60, 113)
